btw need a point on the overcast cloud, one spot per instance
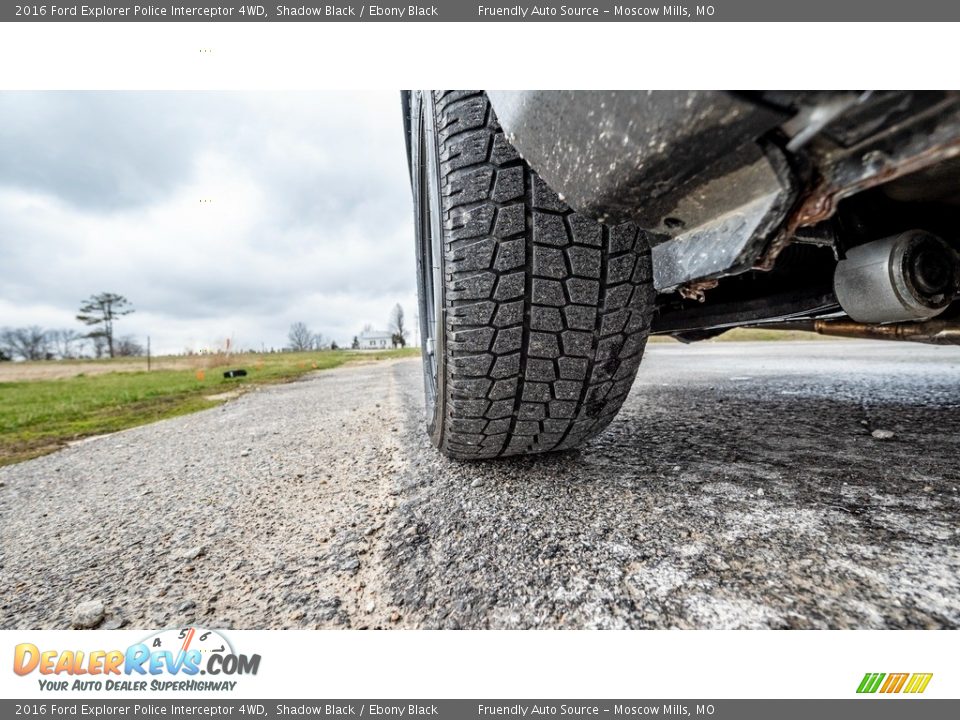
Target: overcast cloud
(310, 218)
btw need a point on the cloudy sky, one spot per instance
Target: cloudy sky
(310, 218)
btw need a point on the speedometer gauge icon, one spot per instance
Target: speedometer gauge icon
(184, 639)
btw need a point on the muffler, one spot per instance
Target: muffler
(913, 276)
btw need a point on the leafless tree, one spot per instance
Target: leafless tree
(27, 343)
(100, 312)
(98, 342)
(66, 343)
(319, 342)
(300, 337)
(397, 327)
(128, 347)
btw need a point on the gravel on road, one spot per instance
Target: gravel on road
(744, 485)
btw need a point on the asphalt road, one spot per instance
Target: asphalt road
(741, 487)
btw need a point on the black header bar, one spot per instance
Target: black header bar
(481, 11)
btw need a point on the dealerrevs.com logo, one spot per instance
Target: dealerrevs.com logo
(168, 660)
(910, 683)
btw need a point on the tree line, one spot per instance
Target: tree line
(301, 338)
(99, 313)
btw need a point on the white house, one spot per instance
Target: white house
(375, 340)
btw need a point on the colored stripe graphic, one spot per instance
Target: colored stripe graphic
(918, 682)
(870, 682)
(895, 683)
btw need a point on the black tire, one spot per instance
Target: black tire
(534, 317)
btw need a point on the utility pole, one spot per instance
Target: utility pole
(148, 353)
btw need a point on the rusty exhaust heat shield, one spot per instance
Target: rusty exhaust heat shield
(931, 332)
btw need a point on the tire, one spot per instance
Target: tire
(534, 317)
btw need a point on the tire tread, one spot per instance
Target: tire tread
(547, 311)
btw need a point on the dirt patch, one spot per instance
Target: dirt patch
(224, 396)
(57, 369)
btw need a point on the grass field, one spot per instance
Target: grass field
(45, 405)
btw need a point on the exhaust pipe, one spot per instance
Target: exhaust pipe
(932, 332)
(913, 276)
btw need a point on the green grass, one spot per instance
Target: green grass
(40, 416)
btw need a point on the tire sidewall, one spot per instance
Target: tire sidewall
(425, 158)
